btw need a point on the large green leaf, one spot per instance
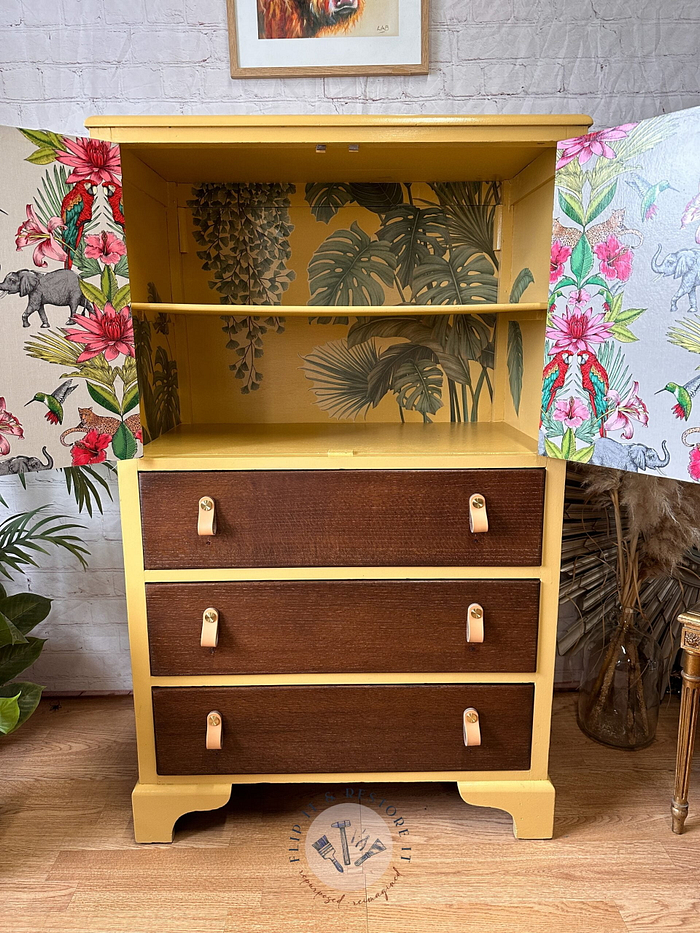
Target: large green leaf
(29, 696)
(340, 375)
(414, 233)
(418, 386)
(348, 268)
(326, 198)
(93, 294)
(470, 336)
(104, 397)
(572, 207)
(599, 201)
(582, 259)
(131, 398)
(124, 443)
(16, 658)
(25, 610)
(381, 378)
(393, 326)
(42, 156)
(9, 633)
(378, 197)
(523, 279)
(470, 209)
(515, 363)
(462, 278)
(9, 713)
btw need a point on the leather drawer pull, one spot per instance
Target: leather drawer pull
(206, 516)
(210, 629)
(215, 737)
(471, 729)
(475, 623)
(478, 519)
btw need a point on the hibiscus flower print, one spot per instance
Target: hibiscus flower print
(42, 237)
(91, 449)
(615, 259)
(94, 160)
(577, 330)
(110, 332)
(8, 425)
(622, 414)
(559, 257)
(106, 247)
(572, 412)
(584, 148)
(691, 214)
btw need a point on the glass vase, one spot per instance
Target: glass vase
(620, 692)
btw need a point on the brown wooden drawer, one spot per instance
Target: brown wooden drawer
(292, 730)
(343, 626)
(316, 518)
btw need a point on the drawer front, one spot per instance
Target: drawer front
(293, 730)
(316, 518)
(343, 626)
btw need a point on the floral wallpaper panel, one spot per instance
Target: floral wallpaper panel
(69, 393)
(622, 356)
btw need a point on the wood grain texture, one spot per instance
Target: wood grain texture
(328, 518)
(342, 728)
(613, 867)
(343, 626)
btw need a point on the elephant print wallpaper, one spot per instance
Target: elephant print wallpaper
(350, 244)
(622, 356)
(69, 394)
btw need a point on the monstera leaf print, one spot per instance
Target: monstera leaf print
(414, 234)
(462, 278)
(418, 386)
(348, 269)
(326, 198)
(378, 197)
(470, 209)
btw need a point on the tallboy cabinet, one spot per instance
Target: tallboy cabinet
(342, 556)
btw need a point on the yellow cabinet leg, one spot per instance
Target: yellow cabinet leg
(530, 803)
(157, 807)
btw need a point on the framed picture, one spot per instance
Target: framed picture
(271, 38)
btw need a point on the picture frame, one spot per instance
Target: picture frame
(317, 38)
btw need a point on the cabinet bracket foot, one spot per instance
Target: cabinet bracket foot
(157, 807)
(530, 803)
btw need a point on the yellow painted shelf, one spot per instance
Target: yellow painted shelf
(534, 307)
(343, 441)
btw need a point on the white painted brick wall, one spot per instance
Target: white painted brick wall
(62, 60)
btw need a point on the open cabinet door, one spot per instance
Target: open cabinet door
(69, 395)
(622, 354)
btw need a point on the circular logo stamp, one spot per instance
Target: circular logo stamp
(351, 847)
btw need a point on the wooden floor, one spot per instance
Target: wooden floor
(68, 863)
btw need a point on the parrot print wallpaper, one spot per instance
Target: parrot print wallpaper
(69, 394)
(622, 354)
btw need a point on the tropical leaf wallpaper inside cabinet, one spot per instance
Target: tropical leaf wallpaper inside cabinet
(345, 244)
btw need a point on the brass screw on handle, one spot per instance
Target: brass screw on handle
(477, 613)
(214, 720)
(210, 615)
(206, 505)
(471, 717)
(478, 502)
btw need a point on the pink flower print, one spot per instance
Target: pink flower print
(106, 247)
(33, 233)
(572, 412)
(110, 332)
(583, 147)
(694, 464)
(559, 257)
(615, 259)
(577, 299)
(621, 414)
(577, 331)
(90, 449)
(93, 160)
(8, 425)
(691, 214)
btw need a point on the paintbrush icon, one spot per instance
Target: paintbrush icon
(326, 850)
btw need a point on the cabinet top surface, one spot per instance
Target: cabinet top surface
(429, 120)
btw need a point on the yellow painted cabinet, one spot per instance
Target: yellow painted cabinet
(349, 467)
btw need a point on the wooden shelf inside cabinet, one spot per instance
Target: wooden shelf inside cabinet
(534, 309)
(477, 440)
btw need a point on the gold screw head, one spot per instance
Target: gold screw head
(206, 504)
(478, 502)
(214, 719)
(471, 716)
(211, 615)
(477, 613)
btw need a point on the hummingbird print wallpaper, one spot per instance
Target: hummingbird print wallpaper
(69, 393)
(622, 353)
